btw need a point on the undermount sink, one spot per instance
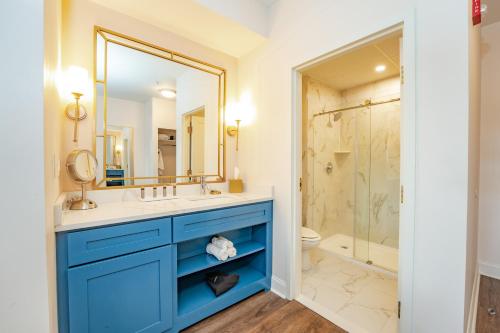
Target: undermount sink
(207, 197)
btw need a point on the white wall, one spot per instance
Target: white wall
(161, 114)
(489, 213)
(24, 301)
(473, 172)
(250, 13)
(195, 90)
(300, 33)
(122, 112)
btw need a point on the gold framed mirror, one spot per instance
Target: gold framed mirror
(159, 114)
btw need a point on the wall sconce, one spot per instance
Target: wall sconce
(239, 114)
(234, 130)
(76, 81)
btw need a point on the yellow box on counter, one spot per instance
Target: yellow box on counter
(235, 186)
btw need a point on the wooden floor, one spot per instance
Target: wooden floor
(265, 313)
(489, 299)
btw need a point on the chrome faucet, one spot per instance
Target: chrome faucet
(204, 186)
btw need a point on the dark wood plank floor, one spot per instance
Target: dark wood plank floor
(265, 313)
(489, 299)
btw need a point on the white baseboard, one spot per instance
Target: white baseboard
(490, 270)
(279, 287)
(471, 320)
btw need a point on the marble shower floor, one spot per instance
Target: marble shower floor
(381, 255)
(356, 298)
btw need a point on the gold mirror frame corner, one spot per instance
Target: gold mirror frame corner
(155, 50)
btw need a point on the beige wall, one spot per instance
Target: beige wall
(489, 214)
(53, 124)
(79, 18)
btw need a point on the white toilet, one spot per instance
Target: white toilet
(310, 239)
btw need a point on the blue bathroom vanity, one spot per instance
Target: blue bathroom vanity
(150, 275)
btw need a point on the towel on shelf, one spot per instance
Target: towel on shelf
(161, 166)
(231, 252)
(220, 254)
(163, 137)
(222, 242)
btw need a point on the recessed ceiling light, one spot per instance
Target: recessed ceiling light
(380, 68)
(168, 93)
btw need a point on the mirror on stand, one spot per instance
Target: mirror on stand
(81, 166)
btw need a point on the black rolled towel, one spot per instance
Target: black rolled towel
(221, 282)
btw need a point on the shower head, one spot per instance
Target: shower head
(337, 116)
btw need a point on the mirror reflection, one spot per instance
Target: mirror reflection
(157, 120)
(85, 166)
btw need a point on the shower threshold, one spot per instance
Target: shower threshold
(375, 254)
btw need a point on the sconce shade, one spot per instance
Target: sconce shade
(77, 80)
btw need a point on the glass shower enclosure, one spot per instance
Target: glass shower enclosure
(355, 181)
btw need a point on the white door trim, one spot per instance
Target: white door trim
(408, 163)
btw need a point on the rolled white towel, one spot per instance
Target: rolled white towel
(222, 242)
(231, 252)
(220, 254)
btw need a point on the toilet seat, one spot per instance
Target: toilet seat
(309, 235)
(310, 240)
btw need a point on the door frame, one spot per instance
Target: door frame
(407, 165)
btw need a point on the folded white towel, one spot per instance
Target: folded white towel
(231, 252)
(222, 242)
(220, 254)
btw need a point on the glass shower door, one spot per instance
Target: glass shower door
(362, 184)
(376, 174)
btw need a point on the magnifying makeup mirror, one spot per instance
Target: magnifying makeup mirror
(81, 166)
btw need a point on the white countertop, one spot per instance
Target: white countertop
(114, 212)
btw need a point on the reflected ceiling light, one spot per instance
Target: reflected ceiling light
(380, 68)
(168, 93)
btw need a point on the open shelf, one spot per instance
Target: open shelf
(341, 152)
(195, 296)
(202, 261)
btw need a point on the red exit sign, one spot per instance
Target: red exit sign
(476, 12)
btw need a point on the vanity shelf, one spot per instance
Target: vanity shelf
(198, 295)
(202, 261)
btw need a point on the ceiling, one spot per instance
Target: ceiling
(267, 3)
(358, 66)
(193, 20)
(493, 14)
(133, 75)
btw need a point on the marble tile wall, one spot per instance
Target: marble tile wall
(361, 194)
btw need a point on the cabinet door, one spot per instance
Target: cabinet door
(131, 293)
